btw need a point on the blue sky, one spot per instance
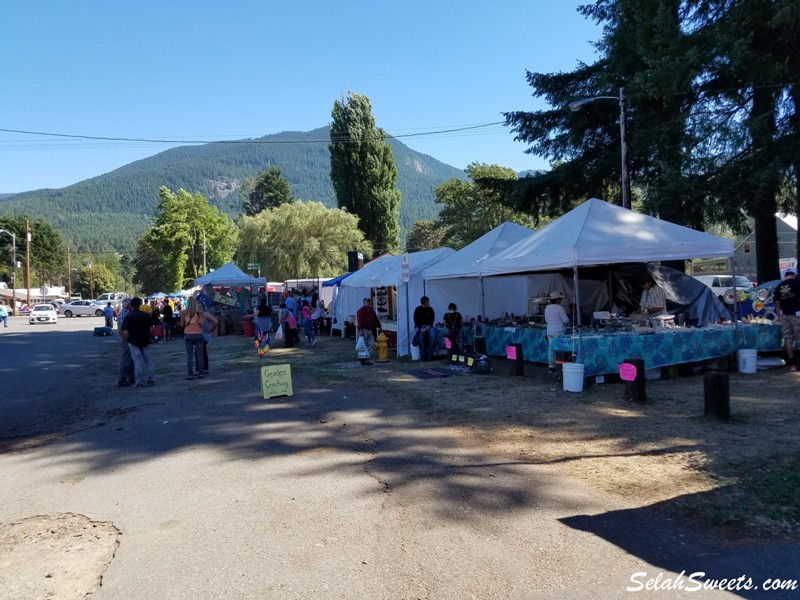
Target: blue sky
(202, 70)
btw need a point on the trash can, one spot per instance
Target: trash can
(248, 326)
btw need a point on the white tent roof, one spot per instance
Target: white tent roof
(387, 270)
(230, 275)
(597, 233)
(467, 261)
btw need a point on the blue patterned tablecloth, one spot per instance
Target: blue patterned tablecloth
(602, 353)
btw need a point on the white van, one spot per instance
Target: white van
(721, 284)
(114, 297)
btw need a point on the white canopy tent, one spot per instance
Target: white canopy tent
(457, 277)
(599, 233)
(229, 275)
(385, 272)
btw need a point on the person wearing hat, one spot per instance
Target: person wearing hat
(368, 324)
(557, 319)
(787, 307)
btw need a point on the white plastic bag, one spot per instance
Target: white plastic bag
(279, 333)
(361, 347)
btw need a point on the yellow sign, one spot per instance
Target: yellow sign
(276, 381)
(224, 300)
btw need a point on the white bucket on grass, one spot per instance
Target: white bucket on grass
(748, 360)
(573, 377)
(414, 352)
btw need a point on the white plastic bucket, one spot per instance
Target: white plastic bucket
(414, 352)
(748, 360)
(573, 377)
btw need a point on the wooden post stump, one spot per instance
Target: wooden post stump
(716, 386)
(518, 364)
(636, 390)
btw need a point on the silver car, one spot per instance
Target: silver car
(42, 313)
(81, 308)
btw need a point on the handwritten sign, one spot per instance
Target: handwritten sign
(511, 352)
(627, 372)
(447, 343)
(276, 380)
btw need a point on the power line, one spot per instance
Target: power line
(159, 141)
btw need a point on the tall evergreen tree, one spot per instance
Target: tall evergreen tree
(268, 190)
(363, 171)
(710, 129)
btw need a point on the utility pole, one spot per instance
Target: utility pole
(27, 263)
(204, 252)
(69, 277)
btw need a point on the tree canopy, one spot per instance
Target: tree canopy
(363, 171)
(473, 208)
(48, 254)
(425, 235)
(301, 239)
(268, 189)
(186, 233)
(712, 129)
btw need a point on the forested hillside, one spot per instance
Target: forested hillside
(110, 211)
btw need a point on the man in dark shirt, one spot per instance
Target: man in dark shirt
(136, 331)
(424, 317)
(368, 324)
(787, 307)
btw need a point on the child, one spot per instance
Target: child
(263, 320)
(308, 324)
(290, 334)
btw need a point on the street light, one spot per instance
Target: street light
(626, 181)
(88, 264)
(13, 269)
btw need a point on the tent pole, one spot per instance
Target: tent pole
(577, 292)
(483, 299)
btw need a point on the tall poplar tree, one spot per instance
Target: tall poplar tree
(363, 172)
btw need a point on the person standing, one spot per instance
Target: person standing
(210, 324)
(654, 300)
(454, 322)
(368, 325)
(556, 319)
(787, 307)
(136, 331)
(167, 320)
(4, 314)
(192, 325)
(308, 325)
(108, 313)
(424, 317)
(127, 374)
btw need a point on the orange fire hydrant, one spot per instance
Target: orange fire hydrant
(382, 345)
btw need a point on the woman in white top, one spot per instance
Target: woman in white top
(557, 319)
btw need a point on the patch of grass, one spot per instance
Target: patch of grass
(761, 499)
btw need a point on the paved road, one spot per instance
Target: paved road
(328, 494)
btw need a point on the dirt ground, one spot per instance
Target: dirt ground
(739, 480)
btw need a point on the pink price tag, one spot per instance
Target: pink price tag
(511, 352)
(627, 372)
(447, 343)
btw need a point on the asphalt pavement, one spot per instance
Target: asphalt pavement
(330, 493)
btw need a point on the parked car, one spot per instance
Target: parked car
(81, 308)
(722, 284)
(43, 313)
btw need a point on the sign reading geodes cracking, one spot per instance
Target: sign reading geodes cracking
(276, 380)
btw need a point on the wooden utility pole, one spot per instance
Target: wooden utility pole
(69, 278)
(28, 263)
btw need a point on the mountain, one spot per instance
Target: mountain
(111, 211)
